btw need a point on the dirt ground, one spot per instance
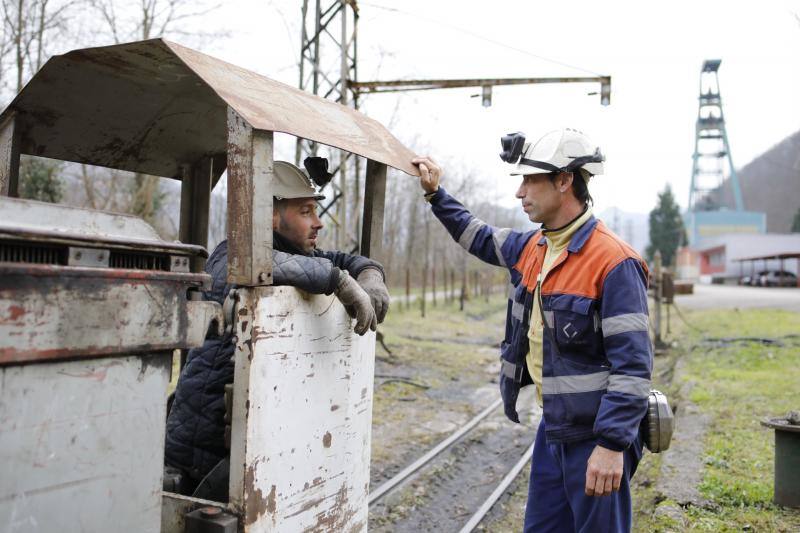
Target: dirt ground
(442, 371)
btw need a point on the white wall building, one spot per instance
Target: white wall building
(718, 256)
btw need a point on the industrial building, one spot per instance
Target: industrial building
(731, 212)
(728, 258)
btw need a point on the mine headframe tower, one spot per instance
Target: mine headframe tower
(712, 152)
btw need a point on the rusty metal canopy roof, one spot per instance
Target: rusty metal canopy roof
(150, 106)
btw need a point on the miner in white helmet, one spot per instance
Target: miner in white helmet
(576, 328)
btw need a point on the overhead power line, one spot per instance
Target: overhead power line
(480, 37)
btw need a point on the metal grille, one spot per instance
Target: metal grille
(13, 252)
(138, 261)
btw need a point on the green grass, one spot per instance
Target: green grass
(739, 384)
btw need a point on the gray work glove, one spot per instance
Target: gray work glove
(357, 303)
(371, 280)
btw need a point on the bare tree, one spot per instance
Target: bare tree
(145, 19)
(28, 27)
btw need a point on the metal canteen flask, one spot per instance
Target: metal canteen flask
(658, 423)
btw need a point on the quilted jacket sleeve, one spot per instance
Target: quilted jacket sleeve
(316, 275)
(627, 345)
(496, 246)
(354, 264)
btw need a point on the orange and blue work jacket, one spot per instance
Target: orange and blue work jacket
(597, 355)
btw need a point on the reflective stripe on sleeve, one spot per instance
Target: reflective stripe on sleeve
(499, 237)
(573, 384)
(639, 387)
(518, 310)
(624, 324)
(468, 237)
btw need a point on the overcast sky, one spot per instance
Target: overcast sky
(652, 51)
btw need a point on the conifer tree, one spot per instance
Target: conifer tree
(666, 227)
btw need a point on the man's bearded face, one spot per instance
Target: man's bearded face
(297, 220)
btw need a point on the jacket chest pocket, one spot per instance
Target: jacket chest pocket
(575, 321)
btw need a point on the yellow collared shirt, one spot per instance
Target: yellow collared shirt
(557, 242)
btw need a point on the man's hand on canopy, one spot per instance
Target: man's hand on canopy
(429, 173)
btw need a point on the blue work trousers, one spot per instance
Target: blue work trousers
(557, 501)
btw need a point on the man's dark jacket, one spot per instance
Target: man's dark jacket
(195, 440)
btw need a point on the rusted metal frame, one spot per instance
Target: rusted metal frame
(374, 205)
(195, 205)
(238, 486)
(368, 87)
(357, 219)
(250, 178)
(46, 299)
(68, 239)
(9, 156)
(282, 409)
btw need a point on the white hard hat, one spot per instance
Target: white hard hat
(565, 150)
(291, 182)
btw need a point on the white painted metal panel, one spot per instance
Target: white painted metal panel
(82, 445)
(308, 423)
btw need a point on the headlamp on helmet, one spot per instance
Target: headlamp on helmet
(512, 145)
(564, 150)
(317, 168)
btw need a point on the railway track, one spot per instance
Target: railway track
(454, 485)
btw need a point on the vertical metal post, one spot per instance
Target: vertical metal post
(374, 206)
(433, 284)
(250, 177)
(243, 356)
(780, 277)
(196, 184)
(408, 288)
(9, 157)
(659, 288)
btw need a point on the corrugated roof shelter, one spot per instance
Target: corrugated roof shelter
(149, 106)
(159, 108)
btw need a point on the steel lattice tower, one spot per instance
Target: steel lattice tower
(711, 149)
(331, 26)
